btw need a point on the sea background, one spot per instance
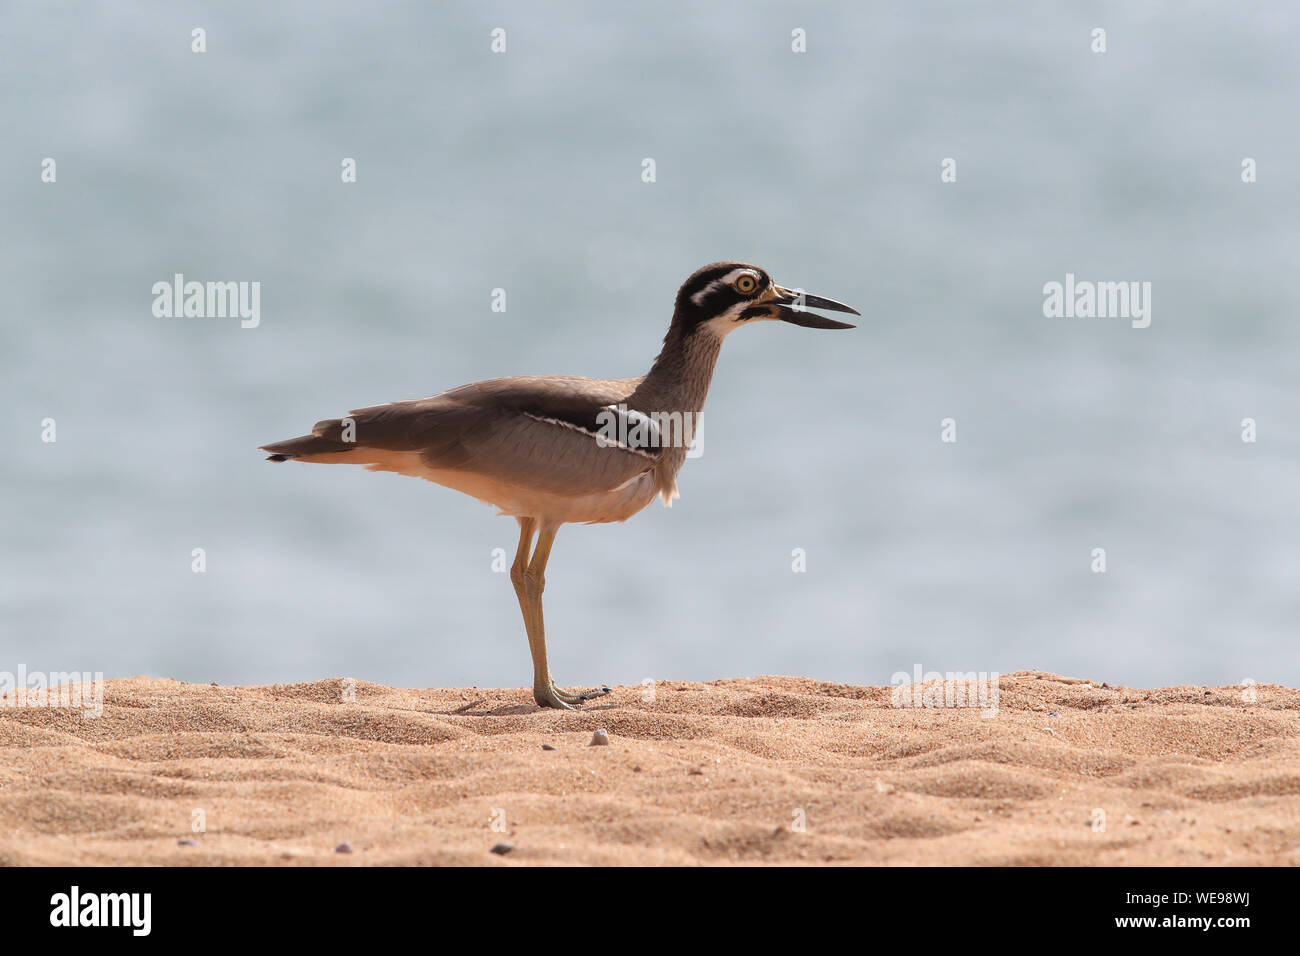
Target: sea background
(522, 171)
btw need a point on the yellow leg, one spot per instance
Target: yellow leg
(528, 574)
(527, 528)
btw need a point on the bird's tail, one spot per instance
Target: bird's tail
(306, 445)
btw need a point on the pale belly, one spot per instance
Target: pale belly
(617, 504)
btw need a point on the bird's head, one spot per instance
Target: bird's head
(725, 295)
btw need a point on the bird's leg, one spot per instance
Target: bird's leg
(534, 583)
(529, 578)
(519, 578)
(527, 528)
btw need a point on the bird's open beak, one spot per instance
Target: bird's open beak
(792, 306)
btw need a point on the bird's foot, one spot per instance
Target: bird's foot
(553, 696)
(581, 696)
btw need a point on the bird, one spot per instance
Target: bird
(559, 449)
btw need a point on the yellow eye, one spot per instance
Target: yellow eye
(746, 284)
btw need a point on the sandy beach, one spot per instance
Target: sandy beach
(765, 770)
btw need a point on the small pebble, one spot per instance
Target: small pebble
(501, 849)
(547, 747)
(187, 842)
(599, 739)
(343, 848)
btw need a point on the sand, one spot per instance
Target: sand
(767, 770)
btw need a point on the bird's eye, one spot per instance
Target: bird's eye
(746, 284)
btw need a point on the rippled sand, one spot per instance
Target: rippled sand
(753, 771)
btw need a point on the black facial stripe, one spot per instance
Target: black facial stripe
(754, 310)
(714, 304)
(689, 315)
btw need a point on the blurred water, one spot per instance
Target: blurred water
(522, 171)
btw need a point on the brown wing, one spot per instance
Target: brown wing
(538, 433)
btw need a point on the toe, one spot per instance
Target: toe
(546, 697)
(565, 696)
(556, 696)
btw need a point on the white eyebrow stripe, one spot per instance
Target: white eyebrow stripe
(725, 280)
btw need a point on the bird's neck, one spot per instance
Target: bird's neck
(679, 379)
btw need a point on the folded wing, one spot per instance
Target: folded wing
(539, 434)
